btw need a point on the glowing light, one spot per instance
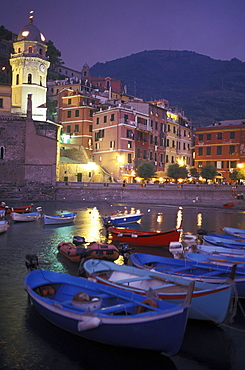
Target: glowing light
(199, 220)
(25, 33)
(119, 158)
(240, 165)
(42, 37)
(92, 166)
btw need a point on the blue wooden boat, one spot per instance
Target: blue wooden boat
(63, 218)
(224, 241)
(234, 232)
(220, 260)
(198, 271)
(209, 301)
(122, 219)
(220, 251)
(106, 314)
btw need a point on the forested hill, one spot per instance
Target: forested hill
(206, 89)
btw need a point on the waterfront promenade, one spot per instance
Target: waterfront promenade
(186, 194)
(204, 195)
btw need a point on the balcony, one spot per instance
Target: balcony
(127, 122)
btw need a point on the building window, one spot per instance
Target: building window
(129, 134)
(200, 151)
(199, 164)
(68, 129)
(1, 103)
(90, 128)
(156, 125)
(173, 144)
(29, 78)
(167, 143)
(2, 152)
(112, 117)
(145, 154)
(219, 150)
(208, 136)
(151, 156)
(184, 146)
(232, 164)
(200, 137)
(69, 114)
(30, 49)
(91, 112)
(208, 150)
(97, 120)
(166, 158)
(105, 119)
(17, 79)
(125, 117)
(129, 158)
(77, 113)
(79, 177)
(232, 135)
(112, 144)
(129, 144)
(41, 84)
(138, 152)
(76, 128)
(219, 135)
(69, 101)
(172, 161)
(232, 149)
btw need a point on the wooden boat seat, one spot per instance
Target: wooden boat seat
(131, 280)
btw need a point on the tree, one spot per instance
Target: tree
(208, 172)
(146, 170)
(194, 172)
(237, 174)
(5, 34)
(176, 171)
(54, 56)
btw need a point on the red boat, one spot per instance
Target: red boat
(23, 209)
(145, 238)
(93, 250)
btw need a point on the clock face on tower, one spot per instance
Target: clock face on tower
(42, 68)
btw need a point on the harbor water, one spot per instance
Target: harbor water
(29, 342)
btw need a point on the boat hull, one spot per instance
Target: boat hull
(161, 329)
(210, 302)
(93, 250)
(122, 219)
(234, 232)
(208, 272)
(22, 209)
(221, 260)
(220, 251)
(25, 217)
(65, 218)
(144, 238)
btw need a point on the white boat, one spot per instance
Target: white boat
(2, 213)
(63, 218)
(3, 226)
(237, 233)
(220, 251)
(29, 216)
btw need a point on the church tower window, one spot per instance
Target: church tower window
(30, 49)
(29, 81)
(17, 79)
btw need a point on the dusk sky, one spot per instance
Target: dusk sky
(90, 31)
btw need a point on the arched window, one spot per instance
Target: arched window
(40, 51)
(19, 50)
(17, 79)
(29, 49)
(29, 78)
(1, 152)
(41, 81)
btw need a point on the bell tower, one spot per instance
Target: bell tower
(29, 72)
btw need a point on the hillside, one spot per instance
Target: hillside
(205, 88)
